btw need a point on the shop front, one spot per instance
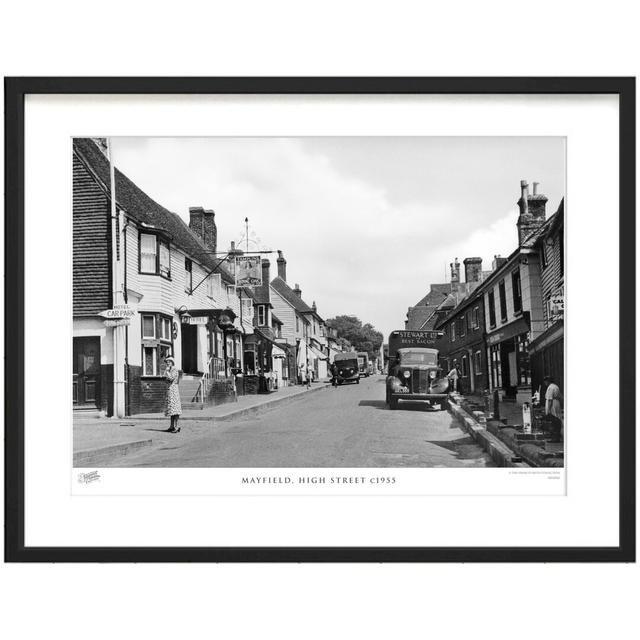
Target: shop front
(508, 357)
(547, 358)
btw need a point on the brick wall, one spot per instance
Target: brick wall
(153, 395)
(134, 389)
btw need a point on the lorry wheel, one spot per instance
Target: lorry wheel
(393, 403)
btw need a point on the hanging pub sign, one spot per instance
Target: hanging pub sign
(248, 271)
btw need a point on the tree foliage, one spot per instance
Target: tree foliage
(362, 337)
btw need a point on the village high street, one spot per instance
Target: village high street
(347, 426)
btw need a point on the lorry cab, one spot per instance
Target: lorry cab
(414, 373)
(346, 367)
(363, 363)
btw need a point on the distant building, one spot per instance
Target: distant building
(442, 297)
(464, 332)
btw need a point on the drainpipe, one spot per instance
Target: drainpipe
(118, 337)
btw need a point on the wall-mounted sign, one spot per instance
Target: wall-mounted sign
(197, 320)
(555, 308)
(248, 271)
(118, 322)
(119, 311)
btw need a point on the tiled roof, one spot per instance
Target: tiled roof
(437, 293)
(139, 206)
(275, 318)
(290, 295)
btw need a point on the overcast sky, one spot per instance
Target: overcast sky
(366, 224)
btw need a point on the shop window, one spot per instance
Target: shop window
(517, 291)
(155, 255)
(503, 301)
(188, 276)
(496, 366)
(524, 370)
(156, 343)
(477, 362)
(492, 309)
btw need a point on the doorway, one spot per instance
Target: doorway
(189, 348)
(86, 373)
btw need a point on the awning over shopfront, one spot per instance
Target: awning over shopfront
(277, 352)
(318, 354)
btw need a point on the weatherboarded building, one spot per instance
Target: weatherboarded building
(145, 286)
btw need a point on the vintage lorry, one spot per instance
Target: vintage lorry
(414, 374)
(346, 367)
(363, 363)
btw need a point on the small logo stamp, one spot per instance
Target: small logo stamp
(86, 478)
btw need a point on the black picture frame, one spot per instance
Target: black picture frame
(15, 91)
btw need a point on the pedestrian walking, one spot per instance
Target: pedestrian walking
(334, 375)
(307, 377)
(454, 376)
(174, 406)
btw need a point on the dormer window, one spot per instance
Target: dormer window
(154, 256)
(262, 315)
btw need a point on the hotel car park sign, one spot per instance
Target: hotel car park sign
(119, 316)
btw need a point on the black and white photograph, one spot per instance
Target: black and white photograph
(318, 302)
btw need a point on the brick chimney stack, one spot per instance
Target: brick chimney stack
(532, 210)
(297, 290)
(455, 271)
(202, 223)
(282, 266)
(263, 292)
(472, 269)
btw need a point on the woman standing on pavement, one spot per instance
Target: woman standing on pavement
(174, 407)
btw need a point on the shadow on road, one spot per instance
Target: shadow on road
(378, 404)
(465, 448)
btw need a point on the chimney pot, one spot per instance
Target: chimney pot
(535, 188)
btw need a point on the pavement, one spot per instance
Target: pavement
(99, 439)
(504, 439)
(348, 426)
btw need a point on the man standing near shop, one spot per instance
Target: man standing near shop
(454, 377)
(553, 401)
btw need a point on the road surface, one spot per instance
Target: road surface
(347, 426)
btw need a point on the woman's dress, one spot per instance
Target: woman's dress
(174, 407)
